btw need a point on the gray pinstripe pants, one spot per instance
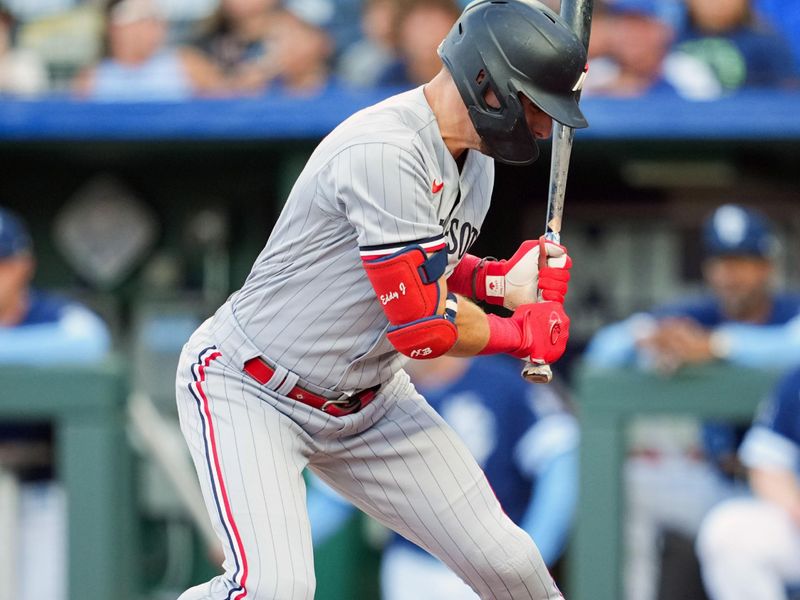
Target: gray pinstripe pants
(396, 460)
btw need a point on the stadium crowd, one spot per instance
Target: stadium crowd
(173, 50)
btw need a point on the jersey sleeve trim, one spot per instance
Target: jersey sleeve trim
(764, 448)
(429, 244)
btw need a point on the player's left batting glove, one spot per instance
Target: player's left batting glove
(538, 332)
(539, 270)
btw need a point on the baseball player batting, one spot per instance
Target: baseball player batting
(366, 269)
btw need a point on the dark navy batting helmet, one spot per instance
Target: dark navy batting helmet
(14, 236)
(514, 47)
(734, 230)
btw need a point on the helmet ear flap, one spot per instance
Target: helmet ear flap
(505, 131)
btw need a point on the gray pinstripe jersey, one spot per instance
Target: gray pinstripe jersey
(381, 180)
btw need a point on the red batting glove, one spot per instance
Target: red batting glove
(538, 270)
(536, 331)
(553, 279)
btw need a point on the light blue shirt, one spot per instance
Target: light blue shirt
(162, 78)
(55, 331)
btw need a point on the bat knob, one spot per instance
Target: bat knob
(537, 373)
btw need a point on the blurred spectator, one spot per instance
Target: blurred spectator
(741, 320)
(302, 48)
(139, 66)
(22, 73)
(238, 41)
(365, 62)
(344, 25)
(626, 50)
(725, 48)
(524, 439)
(671, 12)
(420, 27)
(750, 547)
(185, 17)
(37, 328)
(262, 47)
(27, 10)
(783, 15)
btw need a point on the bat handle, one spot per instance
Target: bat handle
(540, 372)
(537, 373)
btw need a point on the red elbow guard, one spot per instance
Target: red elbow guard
(429, 337)
(407, 286)
(407, 283)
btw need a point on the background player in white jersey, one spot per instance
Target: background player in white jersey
(749, 547)
(366, 268)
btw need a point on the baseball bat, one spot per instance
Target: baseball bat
(578, 15)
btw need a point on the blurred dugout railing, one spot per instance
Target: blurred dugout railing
(608, 401)
(94, 462)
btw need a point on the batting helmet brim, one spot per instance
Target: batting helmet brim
(562, 108)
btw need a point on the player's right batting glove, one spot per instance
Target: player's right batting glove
(538, 332)
(538, 270)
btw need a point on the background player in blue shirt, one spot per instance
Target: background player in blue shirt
(37, 328)
(742, 319)
(750, 547)
(524, 439)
